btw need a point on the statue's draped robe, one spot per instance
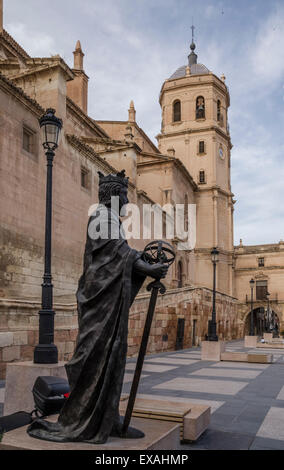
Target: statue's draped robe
(95, 373)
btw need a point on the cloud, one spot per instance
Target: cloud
(36, 43)
(267, 53)
(132, 46)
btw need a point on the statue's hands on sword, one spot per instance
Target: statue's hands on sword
(155, 261)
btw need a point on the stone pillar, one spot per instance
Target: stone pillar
(77, 89)
(251, 341)
(268, 337)
(211, 350)
(131, 112)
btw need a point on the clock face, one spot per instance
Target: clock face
(221, 153)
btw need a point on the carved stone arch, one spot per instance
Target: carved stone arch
(261, 307)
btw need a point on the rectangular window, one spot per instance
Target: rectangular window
(28, 140)
(201, 146)
(260, 262)
(202, 177)
(261, 290)
(85, 177)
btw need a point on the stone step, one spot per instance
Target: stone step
(272, 345)
(260, 358)
(247, 357)
(193, 418)
(234, 356)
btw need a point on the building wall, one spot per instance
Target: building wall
(19, 324)
(246, 268)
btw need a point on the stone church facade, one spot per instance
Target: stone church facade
(189, 165)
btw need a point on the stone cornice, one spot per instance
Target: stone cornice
(39, 65)
(185, 82)
(116, 145)
(4, 35)
(259, 249)
(207, 251)
(73, 107)
(201, 188)
(197, 131)
(154, 155)
(263, 268)
(8, 86)
(120, 145)
(89, 152)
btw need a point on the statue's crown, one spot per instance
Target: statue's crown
(119, 178)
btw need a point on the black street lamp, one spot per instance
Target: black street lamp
(251, 333)
(268, 312)
(46, 352)
(212, 333)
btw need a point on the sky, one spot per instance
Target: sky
(132, 46)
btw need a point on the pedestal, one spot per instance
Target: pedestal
(251, 341)
(20, 379)
(211, 350)
(159, 435)
(267, 337)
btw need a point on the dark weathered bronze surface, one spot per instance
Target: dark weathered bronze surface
(112, 276)
(154, 252)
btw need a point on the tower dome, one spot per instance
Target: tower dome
(194, 67)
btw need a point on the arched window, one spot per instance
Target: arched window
(176, 111)
(218, 110)
(200, 108)
(179, 274)
(202, 177)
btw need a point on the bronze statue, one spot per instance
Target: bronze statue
(112, 276)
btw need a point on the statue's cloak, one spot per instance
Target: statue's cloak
(95, 373)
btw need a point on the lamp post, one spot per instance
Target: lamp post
(268, 311)
(46, 352)
(251, 307)
(212, 333)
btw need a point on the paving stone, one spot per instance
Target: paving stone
(129, 377)
(180, 362)
(220, 387)
(214, 439)
(184, 356)
(240, 365)
(273, 425)
(151, 367)
(261, 443)
(280, 395)
(230, 373)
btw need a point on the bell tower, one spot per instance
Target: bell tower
(195, 104)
